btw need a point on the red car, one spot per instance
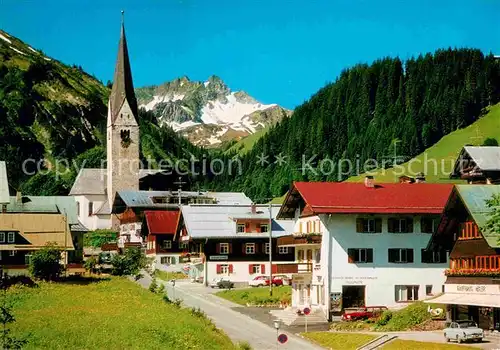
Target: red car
(277, 281)
(362, 313)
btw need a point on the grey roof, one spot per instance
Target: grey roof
(144, 199)
(78, 228)
(485, 157)
(94, 181)
(46, 204)
(104, 209)
(4, 184)
(218, 221)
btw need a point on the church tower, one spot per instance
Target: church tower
(122, 128)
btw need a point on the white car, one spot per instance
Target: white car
(461, 331)
(259, 281)
(215, 282)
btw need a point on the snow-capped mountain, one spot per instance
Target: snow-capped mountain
(208, 113)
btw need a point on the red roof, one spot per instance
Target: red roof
(351, 197)
(162, 221)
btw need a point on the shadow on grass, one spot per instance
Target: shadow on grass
(83, 280)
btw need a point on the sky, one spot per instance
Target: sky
(279, 51)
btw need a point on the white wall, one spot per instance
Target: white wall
(133, 230)
(93, 222)
(164, 267)
(379, 277)
(240, 270)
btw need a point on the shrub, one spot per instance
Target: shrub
(384, 318)
(490, 141)
(244, 345)
(153, 285)
(161, 289)
(197, 312)
(129, 263)
(406, 318)
(99, 237)
(92, 264)
(46, 263)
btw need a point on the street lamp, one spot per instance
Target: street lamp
(277, 327)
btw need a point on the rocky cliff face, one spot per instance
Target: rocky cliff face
(208, 113)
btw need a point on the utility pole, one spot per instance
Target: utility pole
(270, 249)
(180, 183)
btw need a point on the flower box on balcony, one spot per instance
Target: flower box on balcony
(472, 272)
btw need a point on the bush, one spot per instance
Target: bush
(490, 141)
(153, 285)
(244, 345)
(130, 263)
(92, 264)
(161, 289)
(46, 263)
(99, 237)
(406, 318)
(384, 318)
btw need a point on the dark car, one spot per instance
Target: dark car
(225, 284)
(362, 313)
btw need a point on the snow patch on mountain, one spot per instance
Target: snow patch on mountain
(5, 38)
(160, 99)
(18, 51)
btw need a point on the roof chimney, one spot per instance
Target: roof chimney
(369, 181)
(254, 208)
(420, 178)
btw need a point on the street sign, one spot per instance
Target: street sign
(282, 338)
(307, 311)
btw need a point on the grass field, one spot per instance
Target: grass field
(445, 151)
(245, 145)
(110, 314)
(399, 344)
(167, 276)
(339, 341)
(257, 295)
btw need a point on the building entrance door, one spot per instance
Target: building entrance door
(353, 296)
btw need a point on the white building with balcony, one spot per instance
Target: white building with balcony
(364, 244)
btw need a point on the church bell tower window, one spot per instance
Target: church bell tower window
(125, 136)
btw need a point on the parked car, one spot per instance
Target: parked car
(221, 282)
(461, 331)
(285, 280)
(277, 281)
(362, 313)
(259, 281)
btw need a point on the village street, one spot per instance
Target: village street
(237, 326)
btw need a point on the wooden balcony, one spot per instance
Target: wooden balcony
(468, 230)
(482, 265)
(299, 239)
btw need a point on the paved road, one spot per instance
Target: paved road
(237, 326)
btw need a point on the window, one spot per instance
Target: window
(168, 260)
(433, 257)
(240, 228)
(250, 248)
(11, 237)
(27, 259)
(264, 228)
(12, 252)
(400, 255)
(183, 245)
(406, 293)
(300, 255)
(428, 289)
(283, 250)
(91, 208)
(166, 245)
(78, 208)
(360, 255)
(267, 248)
(2, 237)
(428, 224)
(223, 269)
(317, 256)
(224, 248)
(368, 225)
(400, 225)
(255, 269)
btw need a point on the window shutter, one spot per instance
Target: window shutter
(409, 255)
(409, 225)
(300, 226)
(247, 227)
(264, 248)
(378, 225)
(218, 269)
(217, 248)
(257, 247)
(359, 225)
(369, 255)
(350, 255)
(262, 268)
(231, 268)
(274, 268)
(390, 225)
(230, 248)
(424, 225)
(392, 255)
(425, 255)
(257, 229)
(250, 269)
(243, 248)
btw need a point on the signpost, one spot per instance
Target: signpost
(306, 311)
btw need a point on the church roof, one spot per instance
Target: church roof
(123, 87)
(94, 181)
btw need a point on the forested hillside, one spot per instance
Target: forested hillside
(371, 108)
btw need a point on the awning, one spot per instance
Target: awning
(485, 300)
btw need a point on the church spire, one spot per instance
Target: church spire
(123, 87)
